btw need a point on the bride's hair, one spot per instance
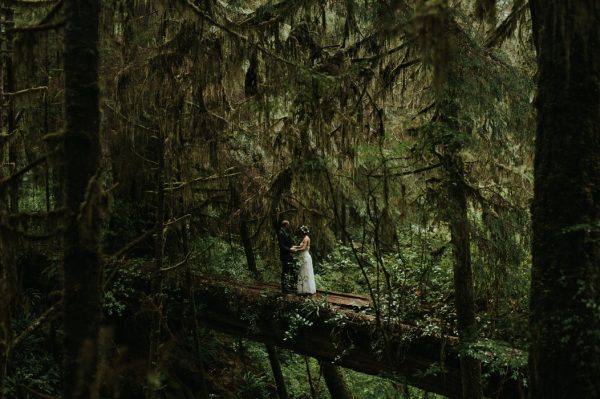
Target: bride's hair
(304, 230)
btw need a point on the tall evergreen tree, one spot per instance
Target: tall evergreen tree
(565, 292)
(82, 260)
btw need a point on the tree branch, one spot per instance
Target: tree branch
(9, 180)
(24, 91)
(37, 28)
(239, 36)
(49, 314)
(410, 172)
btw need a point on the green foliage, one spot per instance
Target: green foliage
(341, 131)
(217, 255)
(340, 272)
(253, 386)
(500, 358)
(32, 365)
(122, 292)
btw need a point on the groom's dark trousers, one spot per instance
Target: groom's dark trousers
(287, 261)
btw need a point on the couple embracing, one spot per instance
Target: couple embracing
(301, 281)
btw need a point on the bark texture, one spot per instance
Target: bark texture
(565, 292)
(82, 263)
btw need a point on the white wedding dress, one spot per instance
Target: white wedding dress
(306, 276)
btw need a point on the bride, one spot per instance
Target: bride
(306, 277)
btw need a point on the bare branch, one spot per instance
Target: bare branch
(25, 91)
(9, 180)
(48, 315)
(183, 262)
(180, 185)
(37, 28)
(410, 172)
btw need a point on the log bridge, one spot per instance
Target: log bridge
(341, 328)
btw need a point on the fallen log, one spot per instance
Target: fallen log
(337, 328)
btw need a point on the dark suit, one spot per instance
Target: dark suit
(287, 261)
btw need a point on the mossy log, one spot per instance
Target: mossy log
(330, 328)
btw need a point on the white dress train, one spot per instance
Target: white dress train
(306, 276)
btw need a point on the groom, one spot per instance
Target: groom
(288, 266)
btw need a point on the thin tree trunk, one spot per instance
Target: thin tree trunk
(203, 394)
(335, 381)
(244, 232)
(277, 374)
(6, 246)
(564, 356)
(313, 392)
(159, 253)
(9, 86)
(470, 368)
(251, 262)
(457, 217)
(46, 124)
(82, 264)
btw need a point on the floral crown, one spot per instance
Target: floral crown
(304, 229)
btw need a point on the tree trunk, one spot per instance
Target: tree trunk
(9, 86)
(82, 264)
(156, 293)
(277, 374)
(244, 232)
(336, 383)
(564, 321)
(458, 221)
(251, 261)
(6, 155)
(203, 394)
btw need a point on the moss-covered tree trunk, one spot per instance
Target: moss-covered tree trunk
(458, 221)
(457, 217)
(335, 381)
(6, 155)
(82, 265)
(565, 289)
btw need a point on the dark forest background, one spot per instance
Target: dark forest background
(445, 155)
